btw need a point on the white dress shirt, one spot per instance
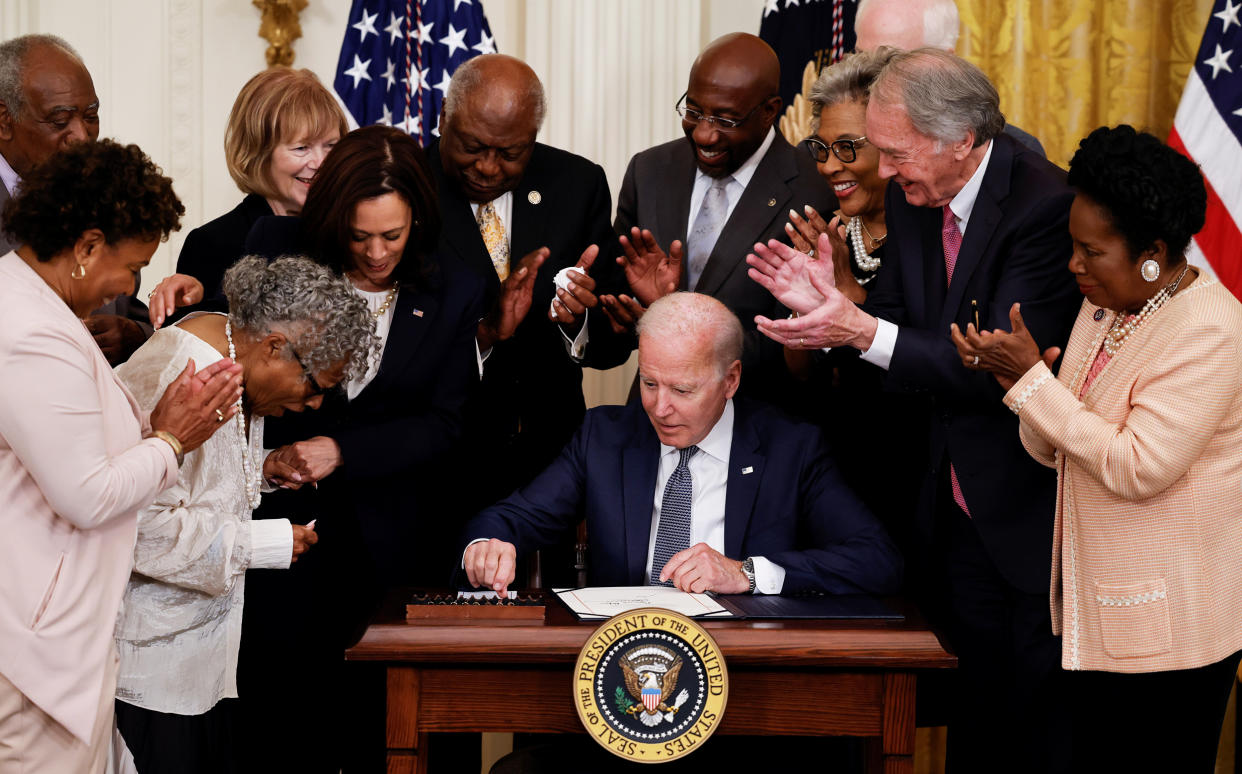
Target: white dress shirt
(885, 341)
(9, 177)
(503, 204)
(709, 474)
(736, 187)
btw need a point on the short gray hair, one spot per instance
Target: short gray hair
(325, 321)
(469, 76)
(13, 66)
(944, 95)
(686, 316)
(941, 21)
(849, 80)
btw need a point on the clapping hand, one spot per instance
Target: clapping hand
(1007, 356)
(514, 302)
(651, 273)
(572, 302)
(622, 311)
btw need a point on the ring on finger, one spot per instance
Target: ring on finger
(975, 361)
(810, 253)
(802, 342)
(151, 295)
(219, 415)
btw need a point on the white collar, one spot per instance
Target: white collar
(744, 173)
(718, 441)
(964, 203)
(8, 176)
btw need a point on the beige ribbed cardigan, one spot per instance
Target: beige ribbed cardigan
(1147, 547)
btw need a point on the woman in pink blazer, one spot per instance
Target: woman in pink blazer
(77, 457)
(1143, 424)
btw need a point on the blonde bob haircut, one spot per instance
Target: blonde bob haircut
(279, 105)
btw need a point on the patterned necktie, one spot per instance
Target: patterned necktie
(493, 232)
(673, 533)
(951, 237)
(706, 230)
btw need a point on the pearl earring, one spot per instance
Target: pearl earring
(1150, 270)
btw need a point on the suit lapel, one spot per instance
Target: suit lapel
(639, 464)
(766, 196)
(984, 218)
(405, 335)
(530, 220)
(673, 210)
(745, 472)
(459, 231)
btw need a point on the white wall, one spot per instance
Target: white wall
(167, 72)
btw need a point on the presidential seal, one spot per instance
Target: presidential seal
(650, 685)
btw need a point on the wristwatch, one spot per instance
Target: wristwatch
(748, 567)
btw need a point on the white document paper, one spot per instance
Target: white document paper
(606, 601)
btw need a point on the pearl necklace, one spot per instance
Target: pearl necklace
(865, 261)
(252, 474)
(1123, 326)
(392, 294)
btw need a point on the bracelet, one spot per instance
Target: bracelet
(1029, 392)
(172, 441)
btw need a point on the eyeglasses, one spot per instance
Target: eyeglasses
(316, 387)
(846, 150)
(693, 116)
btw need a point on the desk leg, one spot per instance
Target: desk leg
(893, 752)
(407, 748)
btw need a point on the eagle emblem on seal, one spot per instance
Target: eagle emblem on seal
(651, 677)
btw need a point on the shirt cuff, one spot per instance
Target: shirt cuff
(467, 548)
(769, 577)
(576, 348)
(481, 356)
(882, 346)
(271, 544)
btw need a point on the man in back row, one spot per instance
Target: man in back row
(47, 102)
(693, 488)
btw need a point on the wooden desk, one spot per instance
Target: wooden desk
(836, 678)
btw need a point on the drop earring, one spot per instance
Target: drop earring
(79, 271)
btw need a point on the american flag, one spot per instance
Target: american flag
(399, 55)
(1208, 129)
(813, 30)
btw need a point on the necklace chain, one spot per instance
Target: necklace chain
(1125, 324)
(252, 474)
(392, 294)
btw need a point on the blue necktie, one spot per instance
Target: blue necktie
(673, 534)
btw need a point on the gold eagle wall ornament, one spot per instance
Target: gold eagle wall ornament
(279, 26)
(795, 123)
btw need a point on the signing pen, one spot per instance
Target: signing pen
(974, 307)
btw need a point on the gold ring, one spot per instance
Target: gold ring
(151, 295)
(802, 342)
(219, 415)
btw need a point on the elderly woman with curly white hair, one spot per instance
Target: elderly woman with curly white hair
(298, 330)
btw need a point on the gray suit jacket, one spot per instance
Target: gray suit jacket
(656, 195)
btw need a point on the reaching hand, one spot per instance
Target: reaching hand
(572, 302)
(196, 404)
(804, 231)
(491, 563)
(303, 539)
(1007, 356)
(835, 322)
(514, 302)
(311, 460)
(173, 291)
(652, 274)
(116, 336)
(623, 312)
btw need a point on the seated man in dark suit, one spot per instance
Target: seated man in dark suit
(693, 488)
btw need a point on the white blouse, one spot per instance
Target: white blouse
(383, 323)
(179, 629)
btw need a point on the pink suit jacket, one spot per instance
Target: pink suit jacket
(74, 470)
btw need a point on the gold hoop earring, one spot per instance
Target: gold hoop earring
(79, 272)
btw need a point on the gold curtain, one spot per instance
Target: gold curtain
(1065, 67)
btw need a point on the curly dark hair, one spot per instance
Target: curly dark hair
(105, 185)
(1150, 191)
(366, 163)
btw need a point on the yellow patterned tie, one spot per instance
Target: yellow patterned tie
(493, 232)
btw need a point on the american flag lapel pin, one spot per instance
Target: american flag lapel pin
(418, 312)
(747, 470)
